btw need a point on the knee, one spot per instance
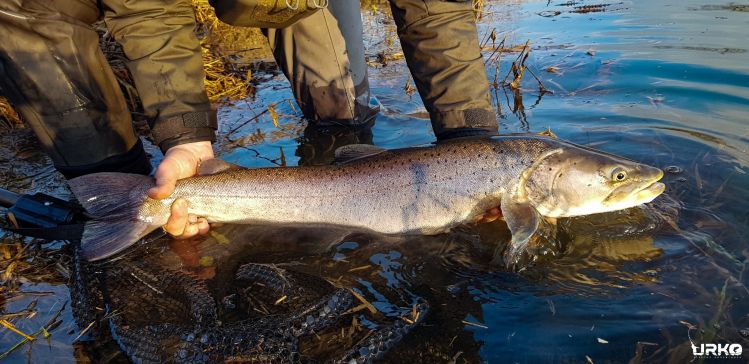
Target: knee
(143, 27)
(408, 12)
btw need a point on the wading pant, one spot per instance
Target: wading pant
(441, 47)
(322, 55)
(56, 76)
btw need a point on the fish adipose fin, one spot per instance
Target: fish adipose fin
(352, 152)
(114, 225)
(522, 219)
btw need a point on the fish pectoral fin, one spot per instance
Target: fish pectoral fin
(523, 220)
(215, 165)
(352, 152)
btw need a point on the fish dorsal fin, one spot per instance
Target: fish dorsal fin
(215, 165)
(352, 152)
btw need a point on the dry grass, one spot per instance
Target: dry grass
(227, 52)
(8, 116)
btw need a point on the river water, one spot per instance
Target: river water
(663, 82)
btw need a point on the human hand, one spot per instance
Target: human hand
(181, 161)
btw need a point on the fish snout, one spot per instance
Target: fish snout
(648, 173)
(651, 188)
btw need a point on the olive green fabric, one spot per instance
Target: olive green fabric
(322, 56)
(57, 77)
(265, 13)
(164, 58)
(59, 81)
(55, 74)
(440, 42)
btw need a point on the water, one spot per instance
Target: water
(661, 82)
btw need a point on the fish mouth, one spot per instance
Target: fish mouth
(651, 191)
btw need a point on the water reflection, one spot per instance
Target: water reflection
(317, 144)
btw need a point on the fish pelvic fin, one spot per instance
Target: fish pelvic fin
(112, 200)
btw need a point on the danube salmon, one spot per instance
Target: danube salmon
(421, 190)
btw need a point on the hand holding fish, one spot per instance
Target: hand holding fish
(180, 162)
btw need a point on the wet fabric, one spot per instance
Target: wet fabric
(322, 55)
(59, 80)
(440, 42)
(322, 58)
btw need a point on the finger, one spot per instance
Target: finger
(178, 218)
(190, 231)
(203, 226)
(166, 179)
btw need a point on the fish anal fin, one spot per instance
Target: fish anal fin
(352, 152)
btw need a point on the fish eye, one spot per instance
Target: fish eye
(618, 175)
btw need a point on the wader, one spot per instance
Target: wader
(440, 44)
(53, 72)
(322, 55)
(56, 76)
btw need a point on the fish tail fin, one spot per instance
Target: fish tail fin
(113, 209)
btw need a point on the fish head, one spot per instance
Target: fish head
(576, 181)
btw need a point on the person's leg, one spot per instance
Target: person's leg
(323, 58)
(441, 46)
(164, 58)
(57, 78)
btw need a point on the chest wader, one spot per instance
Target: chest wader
(55, 75)
(319, 47)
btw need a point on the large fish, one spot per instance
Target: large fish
(422, 190)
